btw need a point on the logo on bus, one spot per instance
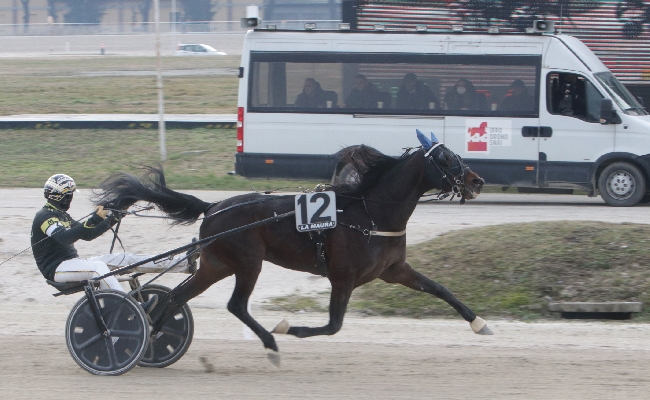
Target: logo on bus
(482, 135)
(477, 138)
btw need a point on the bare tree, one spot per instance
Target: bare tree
(25, 4)
(145, 7)
(51, 9)
(198, 10)
(84, 11)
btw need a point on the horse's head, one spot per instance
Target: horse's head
(447, 171)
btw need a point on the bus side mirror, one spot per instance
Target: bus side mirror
(607, 113)
(640, 99)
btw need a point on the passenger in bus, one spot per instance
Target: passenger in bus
(519, 99)
(363, 95)
(415, 94)
(463, 96)
(312, 96)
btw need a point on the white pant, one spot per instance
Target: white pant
(79, 269)
(123, 259)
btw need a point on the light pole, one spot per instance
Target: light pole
(159, 84)
(174, 23)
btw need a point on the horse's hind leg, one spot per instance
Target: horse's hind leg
(238, 304)
(338, 304)
(407, 276)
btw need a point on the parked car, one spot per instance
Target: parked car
(198, 50)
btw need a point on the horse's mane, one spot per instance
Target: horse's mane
(370, 164)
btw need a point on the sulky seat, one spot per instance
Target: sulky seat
(66, 287)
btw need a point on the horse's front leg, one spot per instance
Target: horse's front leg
(238, 305)
(209, 273)
(407, 276)
(338, 304)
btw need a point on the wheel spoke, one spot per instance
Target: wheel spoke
(89, 342)
(87, 312)
(112, 356)
(114, 316)
(129, 334)
(174, 332)
(87, 323)
(149, 353)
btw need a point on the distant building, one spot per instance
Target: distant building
(118, 11)
(131, 11)
(305, 10)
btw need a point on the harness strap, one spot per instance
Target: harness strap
(374, 227)
(320, 259)
(431, 149)
(381, 233)
(368, 232)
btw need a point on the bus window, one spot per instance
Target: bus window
(394, 84)
(573, 95)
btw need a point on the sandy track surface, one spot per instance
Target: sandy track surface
(390, 358)
(370, 358)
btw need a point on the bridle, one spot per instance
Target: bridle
(453, 173)
(444, 164)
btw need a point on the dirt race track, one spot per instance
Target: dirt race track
(371, 357)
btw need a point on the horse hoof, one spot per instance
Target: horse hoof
(485, 331)
(480, 327)
(282, 328)
(274, 358)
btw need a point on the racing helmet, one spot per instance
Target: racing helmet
(59, 187)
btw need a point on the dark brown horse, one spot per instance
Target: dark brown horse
(368, 242)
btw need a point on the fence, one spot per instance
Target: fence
(148, 28)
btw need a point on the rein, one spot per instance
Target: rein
(45, 238)
(206, 210)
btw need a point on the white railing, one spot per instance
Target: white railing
(148, 28)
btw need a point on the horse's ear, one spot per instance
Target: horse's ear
(426, 143)
(434, 139)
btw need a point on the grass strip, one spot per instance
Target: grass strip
(114, 85)
(197, 158)
(514, 270)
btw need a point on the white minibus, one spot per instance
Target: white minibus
(537, 112)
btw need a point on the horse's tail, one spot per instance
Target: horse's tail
(121, 190)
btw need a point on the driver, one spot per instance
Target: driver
(54, 233)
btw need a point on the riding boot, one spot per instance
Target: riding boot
(192, 255)
(150, 304)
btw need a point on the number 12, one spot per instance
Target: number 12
(302, 202)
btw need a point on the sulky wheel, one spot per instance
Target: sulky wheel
(117, 351)
(174, 338)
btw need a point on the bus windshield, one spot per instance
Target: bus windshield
(620, 94)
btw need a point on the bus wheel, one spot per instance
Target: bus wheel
(621, 185)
